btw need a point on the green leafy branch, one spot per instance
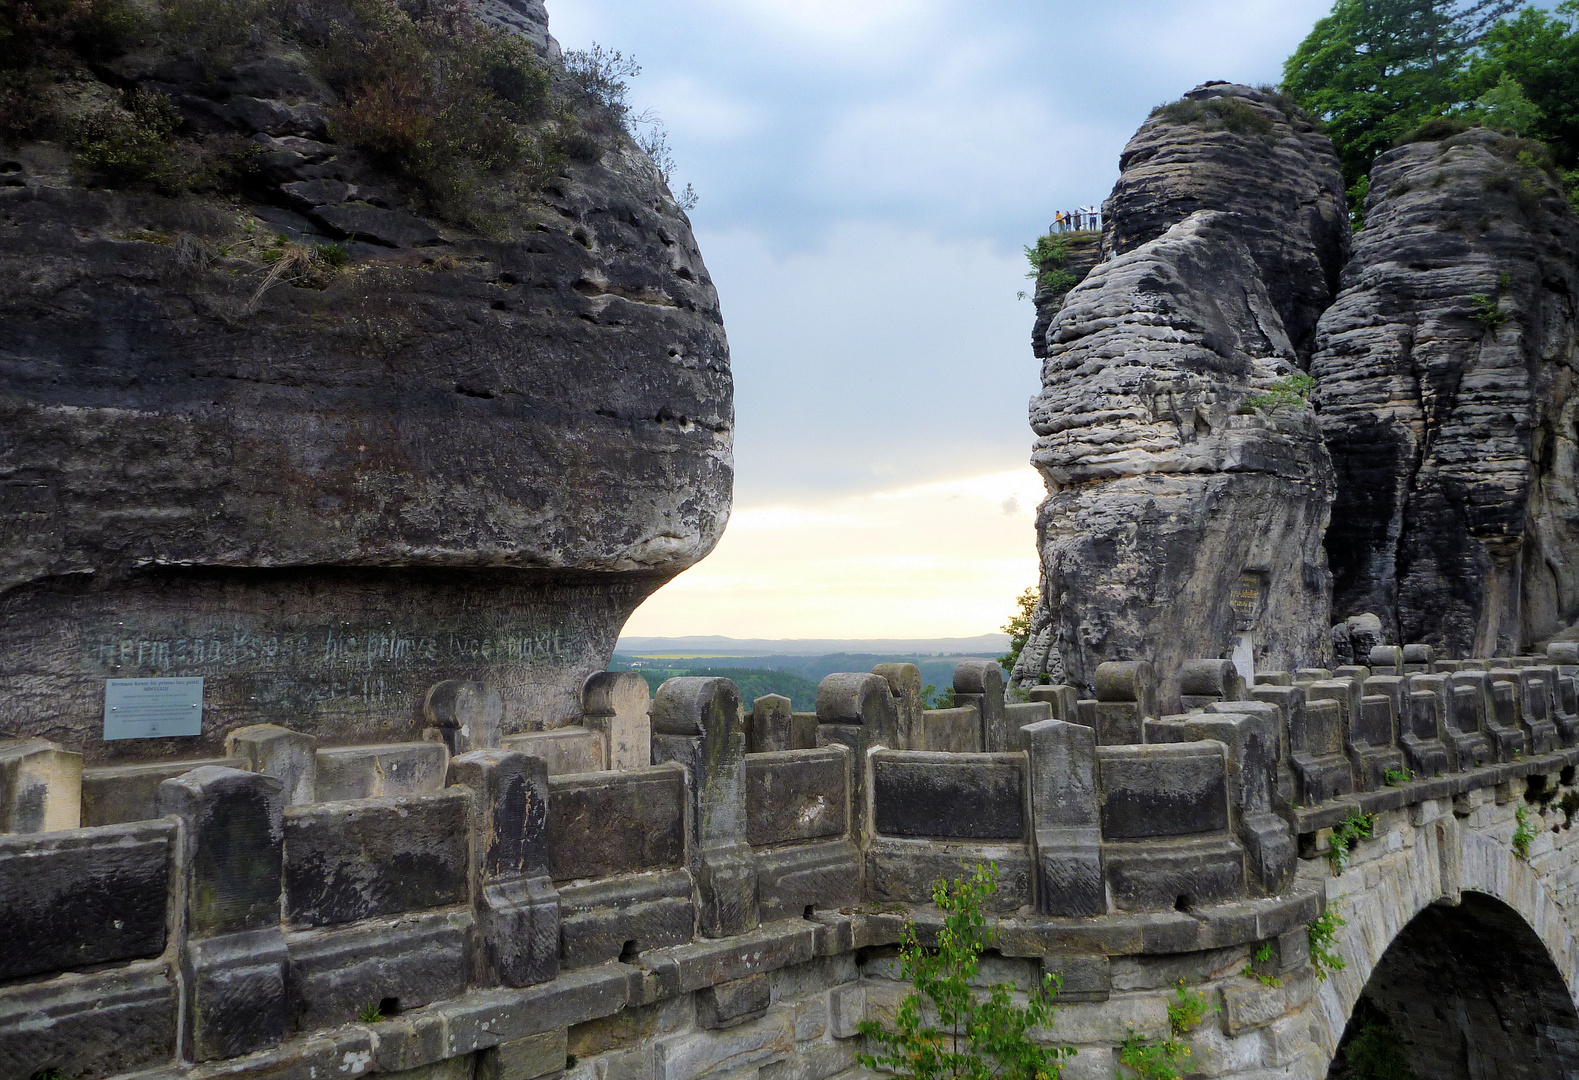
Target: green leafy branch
(1187, 1009)
(1161, 1059)
(1352, 830)
(948, 1030)
(1263, 955)
(1323, 935)
(1150, 1059)
(1523, 833)
(1488, 311)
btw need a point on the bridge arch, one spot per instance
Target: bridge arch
(1459, 959)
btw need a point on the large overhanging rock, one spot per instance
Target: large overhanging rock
(464, 458)
(1186, 499)
(1447, 370)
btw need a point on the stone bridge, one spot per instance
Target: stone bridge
(680, 888)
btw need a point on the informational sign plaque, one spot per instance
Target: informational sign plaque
(152, 708)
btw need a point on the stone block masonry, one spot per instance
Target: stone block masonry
(729, 912)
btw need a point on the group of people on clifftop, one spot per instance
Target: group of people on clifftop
(1083, 219)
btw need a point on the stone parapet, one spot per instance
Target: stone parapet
(253, 914)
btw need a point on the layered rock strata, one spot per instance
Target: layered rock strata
(1188, 487)
(1229, 147)
(1446, 371)
(462, 456)
(1082, 251)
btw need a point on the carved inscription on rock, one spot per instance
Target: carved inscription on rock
(344, 657)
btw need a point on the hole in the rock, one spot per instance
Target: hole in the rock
(1566, 777)
(628, 952)
(1182, 903)
(389, 1006)
(808, 912)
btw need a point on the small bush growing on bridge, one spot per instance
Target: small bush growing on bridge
(1187, 1009)
(1352, 830)
(1323, 934)
(1397, 777)
(1150, 1059)
(1162, 1059)
(1263, 955)
(1523, 832)
(944, 1029)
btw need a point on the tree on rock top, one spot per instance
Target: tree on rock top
(1374, 69)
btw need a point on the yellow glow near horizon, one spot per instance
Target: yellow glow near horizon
(943, 559)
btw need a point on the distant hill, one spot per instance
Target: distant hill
(710, 646)
(777, 670)
(753, 683)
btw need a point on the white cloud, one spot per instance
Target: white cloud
(881, 356)
(698, 113)
(850, 27)
(937, 559)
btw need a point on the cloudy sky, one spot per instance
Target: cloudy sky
(869, 172)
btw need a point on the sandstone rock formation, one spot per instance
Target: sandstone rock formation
(464, 455)
(1446, 371)
(1229, 147)
(1188, 487)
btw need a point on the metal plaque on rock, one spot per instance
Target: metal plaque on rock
(152, 708)
(1245, 599)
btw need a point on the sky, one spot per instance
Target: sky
(868, 175)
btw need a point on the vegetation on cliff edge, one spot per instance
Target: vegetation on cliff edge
(467, 119)
(1375, 71)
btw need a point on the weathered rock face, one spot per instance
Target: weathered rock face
(1183, 510)
(1188, 488)
(1084, 249)
(1263, 162)
(1446, 371)
(529, 18)
(460, 457)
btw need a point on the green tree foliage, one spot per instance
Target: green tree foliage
(1018, 628)
(947, 1029)
(1538, 51)
(1505, 106)
(1374, 70)
(753, 683)
(463, 114)
(452, 106)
